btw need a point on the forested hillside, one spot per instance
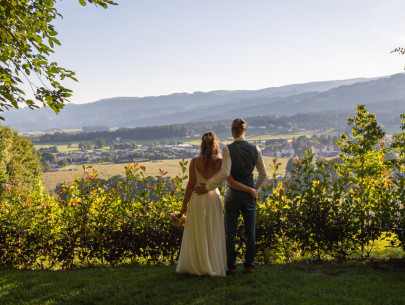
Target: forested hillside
(216, 105)
(330, 120)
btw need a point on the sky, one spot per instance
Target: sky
(158, 47)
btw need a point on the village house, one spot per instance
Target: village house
(324, 150)
(287, 150)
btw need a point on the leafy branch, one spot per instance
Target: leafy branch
(27, 39)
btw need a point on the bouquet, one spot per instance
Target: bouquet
(178, 219)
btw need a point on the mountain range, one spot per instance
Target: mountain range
(382, 94)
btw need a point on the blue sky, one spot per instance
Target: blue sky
(155, 47)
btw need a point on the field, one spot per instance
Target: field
(39, 132)
(52, 179)
(354, 282)
(64, 147)
(224, 137)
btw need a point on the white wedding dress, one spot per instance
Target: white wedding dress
(203, 247)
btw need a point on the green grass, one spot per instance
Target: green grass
(375, 282)
(62, 147)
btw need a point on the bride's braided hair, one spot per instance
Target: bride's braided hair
(209, 147)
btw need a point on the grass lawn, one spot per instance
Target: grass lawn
(375, 282)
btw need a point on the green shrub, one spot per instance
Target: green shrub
(325, 210)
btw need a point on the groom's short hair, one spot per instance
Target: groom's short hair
(238, 126)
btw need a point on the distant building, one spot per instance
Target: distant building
(325, 150)
(288, 150)
(268, 152)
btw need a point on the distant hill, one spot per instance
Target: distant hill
(380, 94)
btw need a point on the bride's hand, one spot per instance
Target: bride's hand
(253, 193)
(183, 209)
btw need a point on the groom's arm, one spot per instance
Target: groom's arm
(261, 168)
(223, 173)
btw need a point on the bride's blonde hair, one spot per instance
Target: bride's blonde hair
(209, 147)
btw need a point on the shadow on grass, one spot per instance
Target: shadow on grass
(353, 282)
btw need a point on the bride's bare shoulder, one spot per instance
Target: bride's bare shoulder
(196, 159)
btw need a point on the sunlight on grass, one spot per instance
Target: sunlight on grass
(299, 283)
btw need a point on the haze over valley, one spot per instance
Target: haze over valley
(381, 95)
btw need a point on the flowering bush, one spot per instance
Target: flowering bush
(325, 210)
(90, 224)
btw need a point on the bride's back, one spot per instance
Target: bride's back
(209, 169)
(209, 161)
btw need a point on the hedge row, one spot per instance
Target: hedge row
(326, 209)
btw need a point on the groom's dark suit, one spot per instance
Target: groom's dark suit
(239, 159)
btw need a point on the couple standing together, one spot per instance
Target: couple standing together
(204, 247)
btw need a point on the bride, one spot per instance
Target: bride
(203, 247)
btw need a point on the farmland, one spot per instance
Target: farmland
(105, 171)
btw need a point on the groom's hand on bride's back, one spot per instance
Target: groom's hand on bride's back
(201, 189)
(253, 193)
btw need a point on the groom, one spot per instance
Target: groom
(239, 160)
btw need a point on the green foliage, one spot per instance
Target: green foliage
(304, 143)
(52, 149)
(89, 224)
(399, 50)
(18, 160)
(398, 196)
(138, 133)
(100, 143)
(363, 159)
(327, 209)
(84, 146)
(290, 165)
(398, 142)
(27, 41)
(63, 163)
(46, 156)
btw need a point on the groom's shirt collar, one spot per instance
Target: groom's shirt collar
(240, 139)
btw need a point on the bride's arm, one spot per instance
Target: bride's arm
(241, 187)
(190, 186)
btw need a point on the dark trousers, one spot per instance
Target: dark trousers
(237, 202)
